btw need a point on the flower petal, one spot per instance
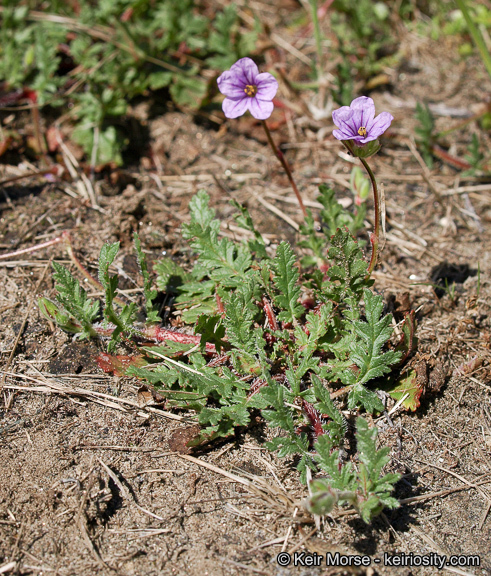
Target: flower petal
(260, 109)
(341, 135)
(235, 108)
(246, 70)
(364, 109)
(367, 139)
(340, 115)
(231, 85)
(267, 86)
(379, 125)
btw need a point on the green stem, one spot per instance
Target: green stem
(476, 35)
(279, 154)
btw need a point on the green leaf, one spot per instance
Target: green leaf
(407, 386)
(349, 269)
(124, 322)
(74, 301)
(285, 279)
(332, 214)
(225, 262)
(279, 416)
(56, 313)
(318, 325)
(170, 276)
(361, 396)
(211, 329)
(188, 92)
(150, 294)
(314, 241)
(373, 335)
(364, 489)
(337, 427)
(244, 220)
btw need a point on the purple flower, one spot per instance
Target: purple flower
(357, 122)
(246, 89)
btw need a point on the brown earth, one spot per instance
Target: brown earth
(89, 484)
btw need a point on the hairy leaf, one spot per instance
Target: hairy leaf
(148, 291)
(74, 300)
(286, 276)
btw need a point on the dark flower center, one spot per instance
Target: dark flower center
(250, 90)
(362, 131)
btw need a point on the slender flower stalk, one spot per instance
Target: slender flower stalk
(284, 162)
(359, 131)
(245, 89)
(375, 237)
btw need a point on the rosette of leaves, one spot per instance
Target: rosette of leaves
(269, 353)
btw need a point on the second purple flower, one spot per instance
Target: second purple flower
(357, 121)
(246, 89)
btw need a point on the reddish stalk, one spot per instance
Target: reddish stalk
(46, 244)
(314, 418)
(163, 334)
(159, 334)
(375, 236)
(270, 314)
(220, 307)
(279, 154)
(256, 386)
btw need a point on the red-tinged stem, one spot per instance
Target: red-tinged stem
(219, 360)
(314, 418)
(163, 334)
(220, 307)
(256, 386)
(279, 154)
(270, 314)
(374, 238)
(449, 159)
(158, 334)
(46, 244)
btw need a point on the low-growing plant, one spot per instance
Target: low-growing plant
(294, 339)
(270, 335)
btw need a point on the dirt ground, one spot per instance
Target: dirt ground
(88, 480)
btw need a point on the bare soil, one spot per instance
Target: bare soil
(90, 484)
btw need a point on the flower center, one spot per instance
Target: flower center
(250, 90)
(362, 131)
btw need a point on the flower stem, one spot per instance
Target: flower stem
(279, 154)
(374, 238)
